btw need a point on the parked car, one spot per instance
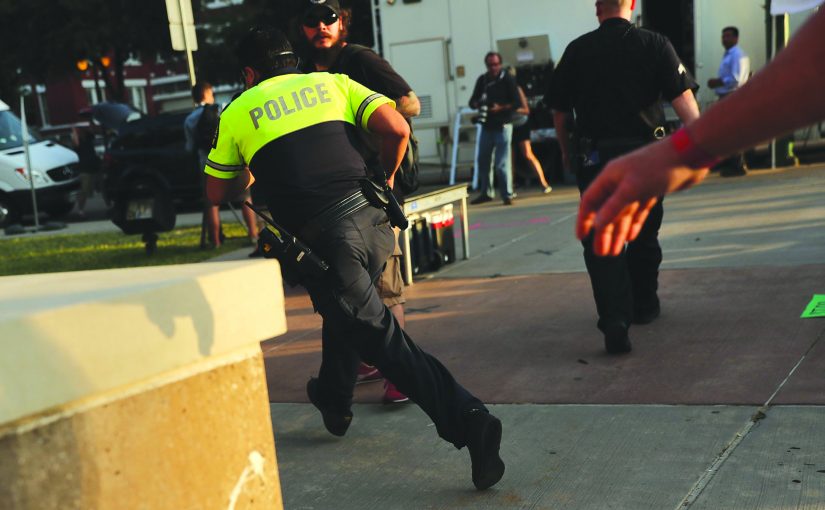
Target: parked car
(150, 153)
(54, 169)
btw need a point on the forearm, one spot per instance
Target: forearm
(394, 132)
(560, 123)
(391, 152)
(785, 95)
(221, 190)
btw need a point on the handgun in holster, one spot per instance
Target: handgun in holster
(298, 262)
(381, 196)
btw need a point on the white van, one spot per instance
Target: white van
(55, 171)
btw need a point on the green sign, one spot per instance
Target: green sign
(816, 308)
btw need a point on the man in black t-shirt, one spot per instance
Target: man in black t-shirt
(324, 26)
(614, 79)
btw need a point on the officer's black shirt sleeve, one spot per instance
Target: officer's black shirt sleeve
(674, 78)
(558, 97)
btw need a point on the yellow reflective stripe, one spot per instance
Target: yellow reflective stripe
(368, 106)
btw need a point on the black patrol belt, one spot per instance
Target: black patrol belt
(330, 216)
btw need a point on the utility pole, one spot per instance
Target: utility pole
(182, 31)
(24, 128)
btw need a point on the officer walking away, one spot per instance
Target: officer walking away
(197, 128)
(294, 132)
(613, 80)
(324, 27)
(734, 71)
(496, 97)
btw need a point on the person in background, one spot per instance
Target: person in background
(521, 138)
(614, 80)
(496, 96)
(83, 141)
(785, 96)
(199, 129)
(734, 71)
(195, 130)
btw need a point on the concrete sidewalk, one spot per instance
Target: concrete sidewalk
(719, 406)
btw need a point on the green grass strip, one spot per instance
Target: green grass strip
(79, 252)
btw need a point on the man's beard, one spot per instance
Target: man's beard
(324, 57)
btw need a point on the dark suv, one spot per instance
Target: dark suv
(150, 153)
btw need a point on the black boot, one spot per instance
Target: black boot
(483, 441)
(336, 422)
(616, 340)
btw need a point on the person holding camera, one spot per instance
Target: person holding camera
(496, 97)
(295, 132)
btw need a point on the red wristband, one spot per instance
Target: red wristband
(691, 154)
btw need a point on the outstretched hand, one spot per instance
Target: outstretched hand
(615, 206)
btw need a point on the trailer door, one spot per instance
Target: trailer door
(423, 65)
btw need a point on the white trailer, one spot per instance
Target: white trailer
(438, 46)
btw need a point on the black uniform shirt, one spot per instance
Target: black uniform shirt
(294, 131)
(608, 76)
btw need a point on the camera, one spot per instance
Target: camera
(481, 118)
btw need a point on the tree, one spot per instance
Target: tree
(54, 34)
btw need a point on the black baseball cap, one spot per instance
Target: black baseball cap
(312, 5)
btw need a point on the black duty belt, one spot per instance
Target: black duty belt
(335, 213)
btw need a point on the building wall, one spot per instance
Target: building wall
(470, 28)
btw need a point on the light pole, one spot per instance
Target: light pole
(24, 128)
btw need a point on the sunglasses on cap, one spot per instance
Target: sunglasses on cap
(311, 20)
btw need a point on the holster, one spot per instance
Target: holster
(383, 198)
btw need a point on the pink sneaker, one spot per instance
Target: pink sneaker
(367, 373)
(392, 395)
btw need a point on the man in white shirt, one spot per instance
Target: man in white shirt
(735, 66)
(734, 71)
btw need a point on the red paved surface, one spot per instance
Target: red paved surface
(726, 336)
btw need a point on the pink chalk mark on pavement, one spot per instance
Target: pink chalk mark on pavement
(488, 226)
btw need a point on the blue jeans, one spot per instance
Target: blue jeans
(497, 140)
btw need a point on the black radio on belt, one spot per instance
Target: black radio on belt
(298, 263)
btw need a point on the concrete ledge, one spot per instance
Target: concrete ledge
(139, 388)
(66, 336)
(201, 442)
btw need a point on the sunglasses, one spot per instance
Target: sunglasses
(312, 20)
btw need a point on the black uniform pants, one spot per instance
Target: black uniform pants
(627, 282)
(357, 326)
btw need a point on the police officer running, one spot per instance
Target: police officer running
(614, 79)
(293, 131)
